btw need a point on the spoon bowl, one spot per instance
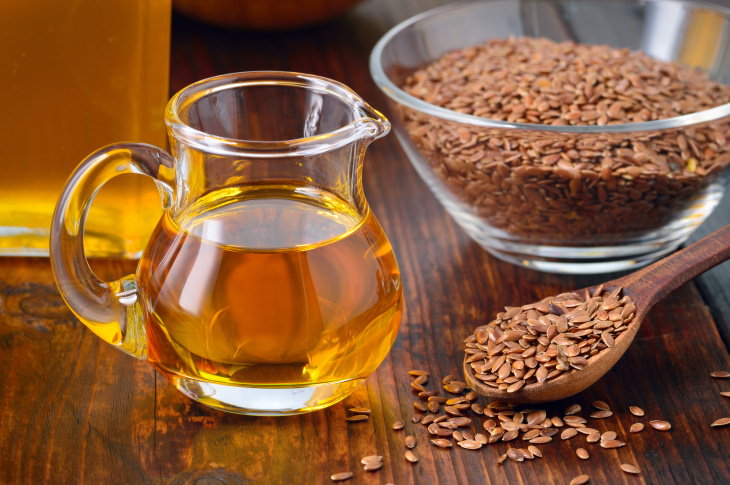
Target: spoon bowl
(645, 288)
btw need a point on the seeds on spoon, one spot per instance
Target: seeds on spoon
(540, 341)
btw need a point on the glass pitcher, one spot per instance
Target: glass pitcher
(268, 287)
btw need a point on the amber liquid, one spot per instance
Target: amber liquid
(270, 286)
(75, 76)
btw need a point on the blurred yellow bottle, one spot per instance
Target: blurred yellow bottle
(74, 76)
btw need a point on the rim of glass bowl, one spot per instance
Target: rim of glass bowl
(371, 123)
(396, 93)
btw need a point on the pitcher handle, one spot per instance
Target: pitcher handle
(109, 309)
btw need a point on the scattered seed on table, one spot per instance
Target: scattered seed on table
(357, 410)
(369, 459)
(411, 456)
(572, 409)
(398, 425)
(612, 444)
(609, 435)
(629, 468)
(338, 477)
(580, 480)
(568, 433)
(470, 444)
(660, 425)
(726, 393)
(636, 411)
(541, 440)
(442, 443)
(515, 454)
(636, 428)
(357, 417)
(501, 458)
(601, 414)
(587, 430)
(535, 451)
(601, 405)
(410, 441)
(582, 453)
(720, 374)
(720, 422)
(593, 437)
(418, 373)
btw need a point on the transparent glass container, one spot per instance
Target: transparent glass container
(502, 182)
(268, 286)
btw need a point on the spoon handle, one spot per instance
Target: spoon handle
(655, 281)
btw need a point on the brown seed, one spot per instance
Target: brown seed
(636, 428)
(357, 417)
(410, 441)
(568, 433)
(629, 468)
(720, 374)
(398, 425)
(470, 444)
(572, 409)
(460, 421)
(725, 394)
(338, 477)
(608, 436)
(535, 451)
(601, 414)
(587, 430)
(411, 456)
(501, 458)
(660, 425)
(421, 380)
(420, 406)
(510, 435)
(455, 387)
(515, 454)
(418, 373)
(601, 405)
(582, 453)
(359, 410)
(580, 480)
(540, 440)
(720, 422)
(636, 411)
(612, 444)
(574, 420)
(442, 443)
(371, 459)
(593, 437)
(533, 433)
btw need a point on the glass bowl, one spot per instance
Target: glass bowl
(574, 198)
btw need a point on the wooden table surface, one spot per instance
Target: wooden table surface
(75, 410)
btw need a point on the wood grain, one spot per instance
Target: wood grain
(75, 411)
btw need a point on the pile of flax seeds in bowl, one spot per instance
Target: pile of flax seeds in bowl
(557, 186)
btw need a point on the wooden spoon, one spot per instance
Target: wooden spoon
(645, 287)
